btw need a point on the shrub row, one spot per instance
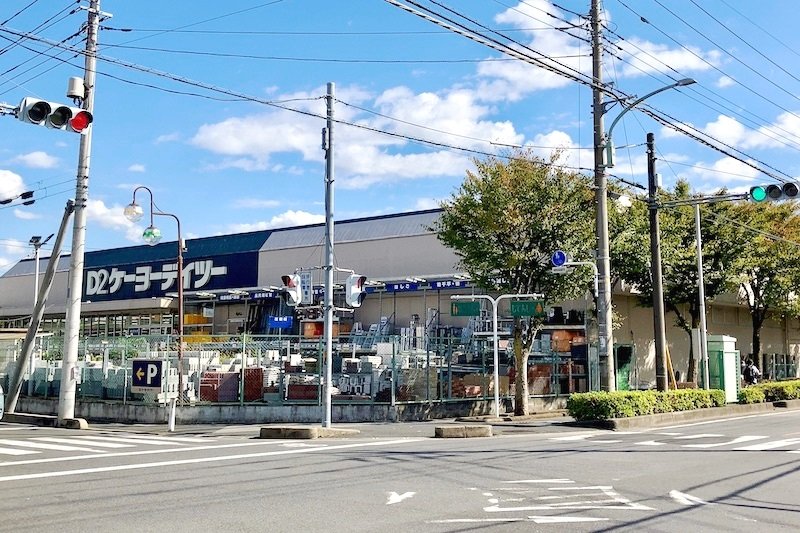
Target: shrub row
(605, 405)
(772, 391)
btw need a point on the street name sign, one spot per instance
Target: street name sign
(533, 308)
(146, 375)
(465, 308)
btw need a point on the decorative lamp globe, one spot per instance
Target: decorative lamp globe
(152, 235)
(133, 212)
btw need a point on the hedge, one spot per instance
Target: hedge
(622, 404)
(772, 391)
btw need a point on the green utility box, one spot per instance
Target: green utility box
(623, 356)
(724, 366)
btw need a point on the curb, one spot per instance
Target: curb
(545, 415)
(304, 432)
(678, 417)
(49, 421)
(461, 432)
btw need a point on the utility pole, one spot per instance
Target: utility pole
(328, 298)
(66, 395)
(605, 327)
(655, 268)
(701, 296)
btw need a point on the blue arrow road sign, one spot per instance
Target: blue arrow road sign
(559, 258)
(146, 375)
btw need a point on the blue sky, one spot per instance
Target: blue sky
(223, 161)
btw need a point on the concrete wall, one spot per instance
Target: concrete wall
(99, 411)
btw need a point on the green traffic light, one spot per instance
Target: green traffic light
(758, 194)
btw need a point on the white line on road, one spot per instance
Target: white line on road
(536, 519)
(699, 436)
(727, 419)
(651, 443)
(687, 499)
(136, 441)
(80, 441)
(397, 498)
(12, 451)
(737, 440)
(771, 445)
(557, 480)
(116, 468)
(45, 446)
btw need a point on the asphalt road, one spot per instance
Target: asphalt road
(729, 475)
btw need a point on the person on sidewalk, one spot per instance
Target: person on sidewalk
(751, 373)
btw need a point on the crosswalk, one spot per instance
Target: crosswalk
(690, 441)
(93, 444)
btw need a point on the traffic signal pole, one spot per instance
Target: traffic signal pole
(328, 298)
(659, 326)
(69, 368)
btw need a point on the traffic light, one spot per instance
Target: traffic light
(52, 115)
(774, 193)
(293, 292)
(354, 290)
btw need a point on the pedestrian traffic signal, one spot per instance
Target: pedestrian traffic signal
(52, 115)
(773, 193)
(292, 289)
(354, 290)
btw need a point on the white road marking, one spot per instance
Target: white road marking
(668, 433)
(16, 428)
(45, 446)
(80, 441)
(651, 443)
(557, 480)
(172, 439)
(771, 445)
(136, 441)
(728, 419)
(576, 437)
(536, 519)
(397, 498)
(687, 499)
(197, 460)
(737, 440)
(699, 436)
(608, 497)
(599, 441)
(12, 451)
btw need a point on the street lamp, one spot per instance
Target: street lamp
(152, 236)
(603, 156)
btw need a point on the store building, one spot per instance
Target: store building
(232, 285)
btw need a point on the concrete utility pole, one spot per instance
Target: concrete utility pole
(328, 301)
(701, 296)
(659, 328)
(66, 395)
(605, 327)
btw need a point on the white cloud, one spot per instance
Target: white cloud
(11, 251)
(731, 131)
(168, 137)
(725, 81)
(724, 172)
(113, 218)
(25, 215)
(11, 185)
(255, 203)
(644, 57)
(136, 167)
(284, 220)
(36, 159)
(427, 203)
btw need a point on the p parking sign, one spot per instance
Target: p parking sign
(146, 375)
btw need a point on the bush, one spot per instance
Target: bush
(753, 394)
(622, 404)
(772, 391)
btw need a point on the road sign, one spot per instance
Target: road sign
(465, 308)
(306, 288)
(558, 258)
(280, 322)
(559, 270)
(146, 375)
(533, 308)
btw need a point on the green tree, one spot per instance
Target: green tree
(768, 268)
(631, 258)
(505, 221)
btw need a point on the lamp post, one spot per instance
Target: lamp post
(37, 242)
(152, 236)
(604, 159)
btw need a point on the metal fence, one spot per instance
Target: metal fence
(283, 369)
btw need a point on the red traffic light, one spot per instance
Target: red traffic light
(80, 121)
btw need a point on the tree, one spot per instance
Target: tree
(769, 266)
(505, 221)
(679, 258)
